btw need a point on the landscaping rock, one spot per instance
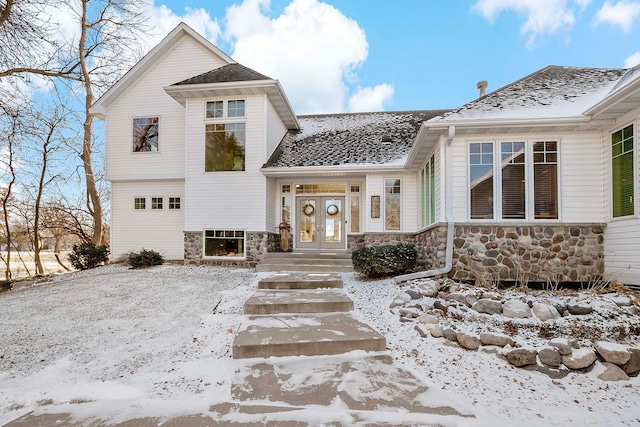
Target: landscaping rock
(553, 373)
(612, 372)
(633, 365)
(622, 300)
(414, 294)
(440, 306)
(450, 334)
(468, 340)
(487, 306)
(550, 356)
(491, 338)
(612, 352)
(562, 344)
(428, 319)
(561, 306)
(579, 359)
(522, 357)
(422, 330)
(470, 300)
(458, 297)
(545, 312)
(491, 295)
(397, 302)
(428, 289)
(516, 309)
(409, 313)
(436, 331)
(578, 308)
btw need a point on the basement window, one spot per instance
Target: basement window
(224, 243)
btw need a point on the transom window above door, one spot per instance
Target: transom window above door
(232, 108)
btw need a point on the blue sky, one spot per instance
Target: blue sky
(419, 54)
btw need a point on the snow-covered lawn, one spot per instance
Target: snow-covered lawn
(161, 338)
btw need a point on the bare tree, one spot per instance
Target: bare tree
(9, 132)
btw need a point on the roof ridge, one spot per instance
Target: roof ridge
(371, 112)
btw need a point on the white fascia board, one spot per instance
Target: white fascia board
(99, 107)
(486, 123)
(420, 139)
(285, 99)
(615, 97)
(322, 170)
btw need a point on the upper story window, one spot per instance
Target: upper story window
(139, 203)
(622, 176)
(526, 180)
(145, 134)
(174, 202)
(224, 147)
(157, 203)
(233, 108)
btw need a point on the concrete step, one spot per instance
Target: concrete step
(297, 301)
(306, 261)
(297, 280)
(304, 335)
(279, 267)
(309, 254)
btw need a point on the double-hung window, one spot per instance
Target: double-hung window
(622, 176)
(224, 137)
(428, 192)
(525, 184)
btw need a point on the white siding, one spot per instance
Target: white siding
(582, 178)
(231, 200)
(375, 187)
(459, 186)
(409, 195)
(272, 204)
(275, 130)
(409, 192)
(160, 230)
(146, 98)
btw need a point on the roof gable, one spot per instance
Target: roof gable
(354, 139)
(228, 73)
(148, 61)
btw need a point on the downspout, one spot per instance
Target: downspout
(450, 225)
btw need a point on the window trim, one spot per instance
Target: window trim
(219, 257)
(427, 186)
(634, 152)
(135, 203)
(529, 179)
(156, 198)
(225, 109)
(149, 116)
(384, 205)
(225, 123)
(169, 208)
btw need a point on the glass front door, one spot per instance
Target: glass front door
(320, 223)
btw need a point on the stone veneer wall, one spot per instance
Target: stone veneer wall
(256, 245)
(527, 253)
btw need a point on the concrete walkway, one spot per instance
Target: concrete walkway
(346, 378)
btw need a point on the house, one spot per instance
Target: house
(536, 181)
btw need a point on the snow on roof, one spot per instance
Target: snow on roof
(548, 93)
(351, 139)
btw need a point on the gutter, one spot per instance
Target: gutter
(450, 223)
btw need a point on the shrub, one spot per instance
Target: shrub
(381, 261)
(144, 258)
(87, 255)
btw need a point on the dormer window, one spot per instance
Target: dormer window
(232, 108)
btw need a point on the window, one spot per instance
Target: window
(174, 202)
(428, 192)
(140, 203)
(145, 134)
(156, 203)
(622, 175)
(235, 109)
(214, 109)
(513, 180)
(286, 204)
(481, 180)
(226, 243)
(545, 180)
(526, 178)
(355, 208)
(392, 204)
(225, 143)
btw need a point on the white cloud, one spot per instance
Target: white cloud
(632, 61)
(371, 99)
(312, 48)
(543, 16)
(623, 13)
(163, 20)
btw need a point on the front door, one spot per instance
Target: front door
(320, 223)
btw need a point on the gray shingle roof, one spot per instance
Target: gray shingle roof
(350, 139)
(224, 74)
(551, 92)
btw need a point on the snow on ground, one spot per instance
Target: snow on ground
(497, 392)
(161, 339)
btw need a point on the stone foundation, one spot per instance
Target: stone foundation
(518, 253)
(256, 245)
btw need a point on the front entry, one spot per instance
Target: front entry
(320, 223)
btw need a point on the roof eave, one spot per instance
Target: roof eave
(331, 170)
(185, 91)
(614, 98)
